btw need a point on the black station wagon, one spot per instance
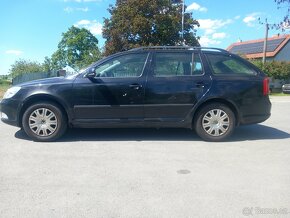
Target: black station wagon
(208, 90)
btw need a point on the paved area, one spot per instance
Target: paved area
(148, 173)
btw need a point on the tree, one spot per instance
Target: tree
(22, 66)
(47, 64)
(285, 23)
(135, 23)
(77, 49)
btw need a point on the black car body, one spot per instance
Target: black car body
(209, 90)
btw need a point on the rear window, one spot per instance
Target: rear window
(222, 64)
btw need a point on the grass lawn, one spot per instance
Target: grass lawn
(279, 94)
(3, 88)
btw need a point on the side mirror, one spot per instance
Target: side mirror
(91, 74)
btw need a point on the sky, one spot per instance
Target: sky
(31, 29)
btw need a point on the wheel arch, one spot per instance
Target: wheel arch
(41, 98)
(217, 100)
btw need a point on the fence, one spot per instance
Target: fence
(32, 76)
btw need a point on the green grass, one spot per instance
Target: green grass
(279, 94)
(3, 88)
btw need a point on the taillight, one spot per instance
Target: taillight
(266, 86)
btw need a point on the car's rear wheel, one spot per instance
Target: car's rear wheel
(44, 121)
(215, 122)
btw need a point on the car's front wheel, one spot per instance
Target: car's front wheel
(44, 121)
(215, 122)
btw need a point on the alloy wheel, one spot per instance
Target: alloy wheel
(43, 122)
(216, 122)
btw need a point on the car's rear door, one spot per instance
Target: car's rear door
(175, 83)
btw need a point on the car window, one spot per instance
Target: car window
(130, 65)
(176, 64)
(222, 64)
(197, 68)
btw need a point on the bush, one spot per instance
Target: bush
(275, 69)
(5, 82)
(22, 66)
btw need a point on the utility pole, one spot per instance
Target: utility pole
(182, 22)
(265, 41)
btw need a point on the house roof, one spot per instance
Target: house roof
(254, 48)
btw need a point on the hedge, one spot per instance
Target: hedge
(275, 69)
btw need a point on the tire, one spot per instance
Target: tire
(44, 122)
(215, 122)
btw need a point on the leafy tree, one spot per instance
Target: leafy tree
(58, 61)
(77, 49)
(47, 64)
(22, 66)
(285, 23)
(135, 23)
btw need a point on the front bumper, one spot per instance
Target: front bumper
(9, 109)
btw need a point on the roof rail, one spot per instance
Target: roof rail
(178, 48)
(211, 48)
(161, 48)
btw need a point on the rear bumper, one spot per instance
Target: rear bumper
(257, 113)
(254, 119)
(9, 112)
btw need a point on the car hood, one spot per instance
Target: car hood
(53, 80)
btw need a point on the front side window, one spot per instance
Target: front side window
(177, 64)
(130, 65)
(222, 64)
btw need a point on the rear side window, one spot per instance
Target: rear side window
(222, 64)
(177, 64)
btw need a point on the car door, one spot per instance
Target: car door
(116, 92)
(175, 83)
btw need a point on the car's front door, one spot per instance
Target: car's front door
(117, 90)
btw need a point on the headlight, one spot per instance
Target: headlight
(11, 92)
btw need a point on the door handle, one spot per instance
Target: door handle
(200, 85)
(135, 86)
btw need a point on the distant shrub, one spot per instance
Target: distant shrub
(5, 82)
(274, 69)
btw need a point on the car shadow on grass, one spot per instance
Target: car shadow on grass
(243, 133)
